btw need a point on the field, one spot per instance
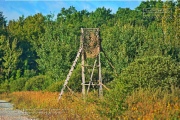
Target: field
(45, 105)
(142, 104)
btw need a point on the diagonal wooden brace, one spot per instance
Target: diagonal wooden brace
(70, 73)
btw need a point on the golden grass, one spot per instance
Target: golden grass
(153, 104)
(141, 104)
(45, 105)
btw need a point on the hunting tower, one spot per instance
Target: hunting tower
(90, 46)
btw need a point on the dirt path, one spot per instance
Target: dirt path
(8, 113)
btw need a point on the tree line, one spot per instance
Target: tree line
(36, 51)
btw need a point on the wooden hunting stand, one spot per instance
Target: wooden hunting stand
(89, 49)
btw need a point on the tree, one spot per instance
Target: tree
(99, 17)
(2, 24)
(27, 31)
(11, 55)
(53, 55)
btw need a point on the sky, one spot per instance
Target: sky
(13, 9)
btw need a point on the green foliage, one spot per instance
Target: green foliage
(149, 72)
(76, 79)
(18, 85)
(40, 82)
(55, 86)
(53, 54)
(100, 16)
(41, 45)
(2, 24)
(153, 72)
(29, 73)
(5, 87)
(113, 103)
(10, 56)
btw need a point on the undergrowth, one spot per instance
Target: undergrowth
(45, 105)
(145, 104)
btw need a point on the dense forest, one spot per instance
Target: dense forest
(143, 45)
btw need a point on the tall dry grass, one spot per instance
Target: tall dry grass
(153, 105)
(143, 104)
(45, 105)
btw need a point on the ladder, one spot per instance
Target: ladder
(70, 73)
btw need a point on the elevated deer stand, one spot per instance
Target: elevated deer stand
(89, 49)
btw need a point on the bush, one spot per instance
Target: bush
(2, 91)
(76, 79)
(55, 87)
(5, 87)
(74, 82)
(150, 72)
(40, 82)
(18, 85)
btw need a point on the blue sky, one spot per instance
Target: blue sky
(12, 9)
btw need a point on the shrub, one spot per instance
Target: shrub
(18, 85)
(40, 82)
(5, 87)
(2, 91)
(150, 72)
(76, 79)
(55, 87)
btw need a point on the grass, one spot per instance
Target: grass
(153, 105)
(45, 105)
(145, 104)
